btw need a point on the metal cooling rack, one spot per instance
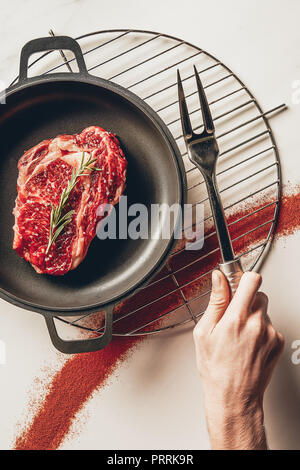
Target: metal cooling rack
(145, 62)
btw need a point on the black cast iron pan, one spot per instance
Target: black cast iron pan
(42, 107)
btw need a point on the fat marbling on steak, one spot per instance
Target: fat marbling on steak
(44, 171)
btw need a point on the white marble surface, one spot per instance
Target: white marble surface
(260, 40)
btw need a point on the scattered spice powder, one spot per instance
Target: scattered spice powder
(82, 374)
(70, 388)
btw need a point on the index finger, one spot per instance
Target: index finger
(245, 294)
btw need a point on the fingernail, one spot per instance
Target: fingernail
(216, 279)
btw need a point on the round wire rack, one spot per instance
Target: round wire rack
(248, 172)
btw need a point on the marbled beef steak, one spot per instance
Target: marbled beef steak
(44, 171)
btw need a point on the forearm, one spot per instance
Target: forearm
(236, 430)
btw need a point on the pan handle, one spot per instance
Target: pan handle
(82, 345)
(48, 44)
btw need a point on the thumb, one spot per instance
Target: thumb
(219, 300)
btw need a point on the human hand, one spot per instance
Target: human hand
(237, 348)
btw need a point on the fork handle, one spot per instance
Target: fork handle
(219, 218)
(233, 271)
(231, 267)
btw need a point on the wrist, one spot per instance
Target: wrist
(235, 425)
(225, 405)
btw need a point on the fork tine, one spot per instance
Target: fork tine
(184, 114)
(206, 115)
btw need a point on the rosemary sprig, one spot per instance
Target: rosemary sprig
(57, 220)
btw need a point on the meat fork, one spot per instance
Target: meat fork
(203, 152)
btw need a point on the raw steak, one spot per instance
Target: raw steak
(44, 171)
